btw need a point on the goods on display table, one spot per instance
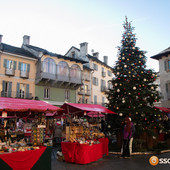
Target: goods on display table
(84, 142)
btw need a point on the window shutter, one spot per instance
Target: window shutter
(165, 64)
(166, 87)
(3, 85)
(9, 89)
(28, 67)
(27, 91)
(15, 65)
(17, 93)
(19, 66)
(5, 63)
(97, 82)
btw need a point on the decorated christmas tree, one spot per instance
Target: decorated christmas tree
(134, 91)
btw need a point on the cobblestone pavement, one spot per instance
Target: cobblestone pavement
(114, 162)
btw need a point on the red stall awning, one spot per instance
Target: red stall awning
(164, 109)
(81, 108)
(23, 105)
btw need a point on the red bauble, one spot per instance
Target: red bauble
(138, 93)
(119, 61)
(129, 54)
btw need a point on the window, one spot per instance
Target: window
(75, 72)
(10, 64)
(103, 83)
(46, 93)
(95, 66)
(23, 91)
(86, 89)
(6, 89)
(110, 85)
(49, 66)
(62, 69)
(95, 99)
(103, 101)
(95, 81)
(109, 73)
(24, 67)
(73, 54)
(67, 95)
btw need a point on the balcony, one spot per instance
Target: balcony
(9, 71)
(103, 74)
(24, 74)
(13, 94)
(81, 92)
(103, 88)
(87, 93)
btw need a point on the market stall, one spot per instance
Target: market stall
(26, 151)
(85, 142)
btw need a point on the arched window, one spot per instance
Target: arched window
(62, 68)
(49, 66)
(75, 71)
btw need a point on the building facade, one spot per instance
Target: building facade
(57, 77)
(164, 73)
(17, 72)
(96, 76)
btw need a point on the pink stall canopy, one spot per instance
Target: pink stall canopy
(24, 105)
(82, 108)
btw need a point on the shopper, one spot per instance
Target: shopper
(127, 134)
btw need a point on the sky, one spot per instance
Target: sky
(57, 25)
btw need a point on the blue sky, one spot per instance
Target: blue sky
(56, 25)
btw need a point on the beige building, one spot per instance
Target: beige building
(96, 75)
(164, 73)
(17, 72)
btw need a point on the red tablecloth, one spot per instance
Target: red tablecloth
(83, 153)
(105, 143)
(22, 160)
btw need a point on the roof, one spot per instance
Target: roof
(23, 105)
(16, 50)
(98, 61)
(81, 108)
(46, 52)
(162, 53)
(91, 57)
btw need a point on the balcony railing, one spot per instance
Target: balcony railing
(14, 94)
(81, 92)
(9, 71)
(103, 88)
(24, 74)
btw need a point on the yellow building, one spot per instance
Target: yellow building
(17, 72)
(57, 77)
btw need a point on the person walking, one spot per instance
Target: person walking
(127, 134)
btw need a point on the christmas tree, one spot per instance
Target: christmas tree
(134, 91)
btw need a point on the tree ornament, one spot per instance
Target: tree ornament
(134, 88)
(115, 84)
(125, 66)
(144, 79)
(120, 114)
(118, 90)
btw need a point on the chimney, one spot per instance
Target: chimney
(26, 40)
(83, 49)
(1, 38)
(105, 59)
(96, 54)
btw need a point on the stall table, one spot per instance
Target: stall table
(32, 159)
(84, 153)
